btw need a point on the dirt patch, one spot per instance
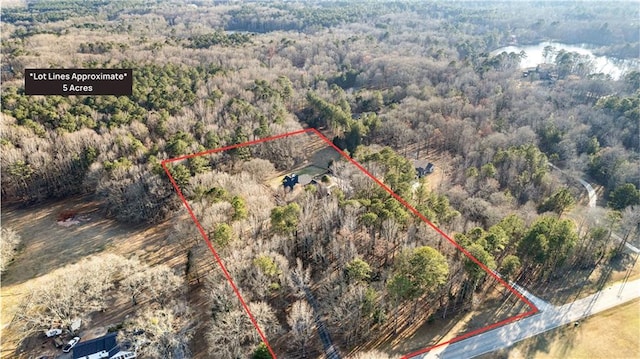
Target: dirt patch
(440, 174)
(47, 246)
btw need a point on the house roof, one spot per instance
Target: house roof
(304, 179)
(107, 343)
(290, 180)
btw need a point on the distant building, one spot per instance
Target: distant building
(543, 71)
(424, 168)
(547, 72)
(528, 71)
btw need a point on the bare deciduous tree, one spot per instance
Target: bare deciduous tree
(161, 332)
(156, 283)
(300, 277)
(76, 291)
(9, 242)
(72, 292)
(303, 326)
(232, 335)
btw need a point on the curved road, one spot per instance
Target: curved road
(592, 204)
(590, 191)
(548, 317)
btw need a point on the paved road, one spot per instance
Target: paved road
(627, 244)
(538, 302)
(592, 193)
(548, 318)
(592, 204)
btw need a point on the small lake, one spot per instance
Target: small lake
(602, 64)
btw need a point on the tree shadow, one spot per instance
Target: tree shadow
(499, 304)
(564, 337)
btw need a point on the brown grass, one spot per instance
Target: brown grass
(47, 246)
(319, 155)
(612, 334)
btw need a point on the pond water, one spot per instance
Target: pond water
(601, 64)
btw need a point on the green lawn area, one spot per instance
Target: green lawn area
(310, 170)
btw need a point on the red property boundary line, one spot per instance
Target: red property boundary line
(164, 163)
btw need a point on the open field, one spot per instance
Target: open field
(612, 334)
(48, 246)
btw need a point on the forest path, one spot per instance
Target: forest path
(331, 351)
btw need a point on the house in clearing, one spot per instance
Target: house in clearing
(305, 180)
(290, 181)
(543, 72)
(293, 179)
(423, 167)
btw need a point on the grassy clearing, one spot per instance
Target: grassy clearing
(318, 159)
(323, 157)
(310, 170)
(611, 334)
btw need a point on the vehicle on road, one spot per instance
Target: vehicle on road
(72, 343)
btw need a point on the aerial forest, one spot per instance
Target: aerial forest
(389, 84)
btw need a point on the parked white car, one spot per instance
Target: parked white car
(53, 332)
(72, 343)
(124, 355)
